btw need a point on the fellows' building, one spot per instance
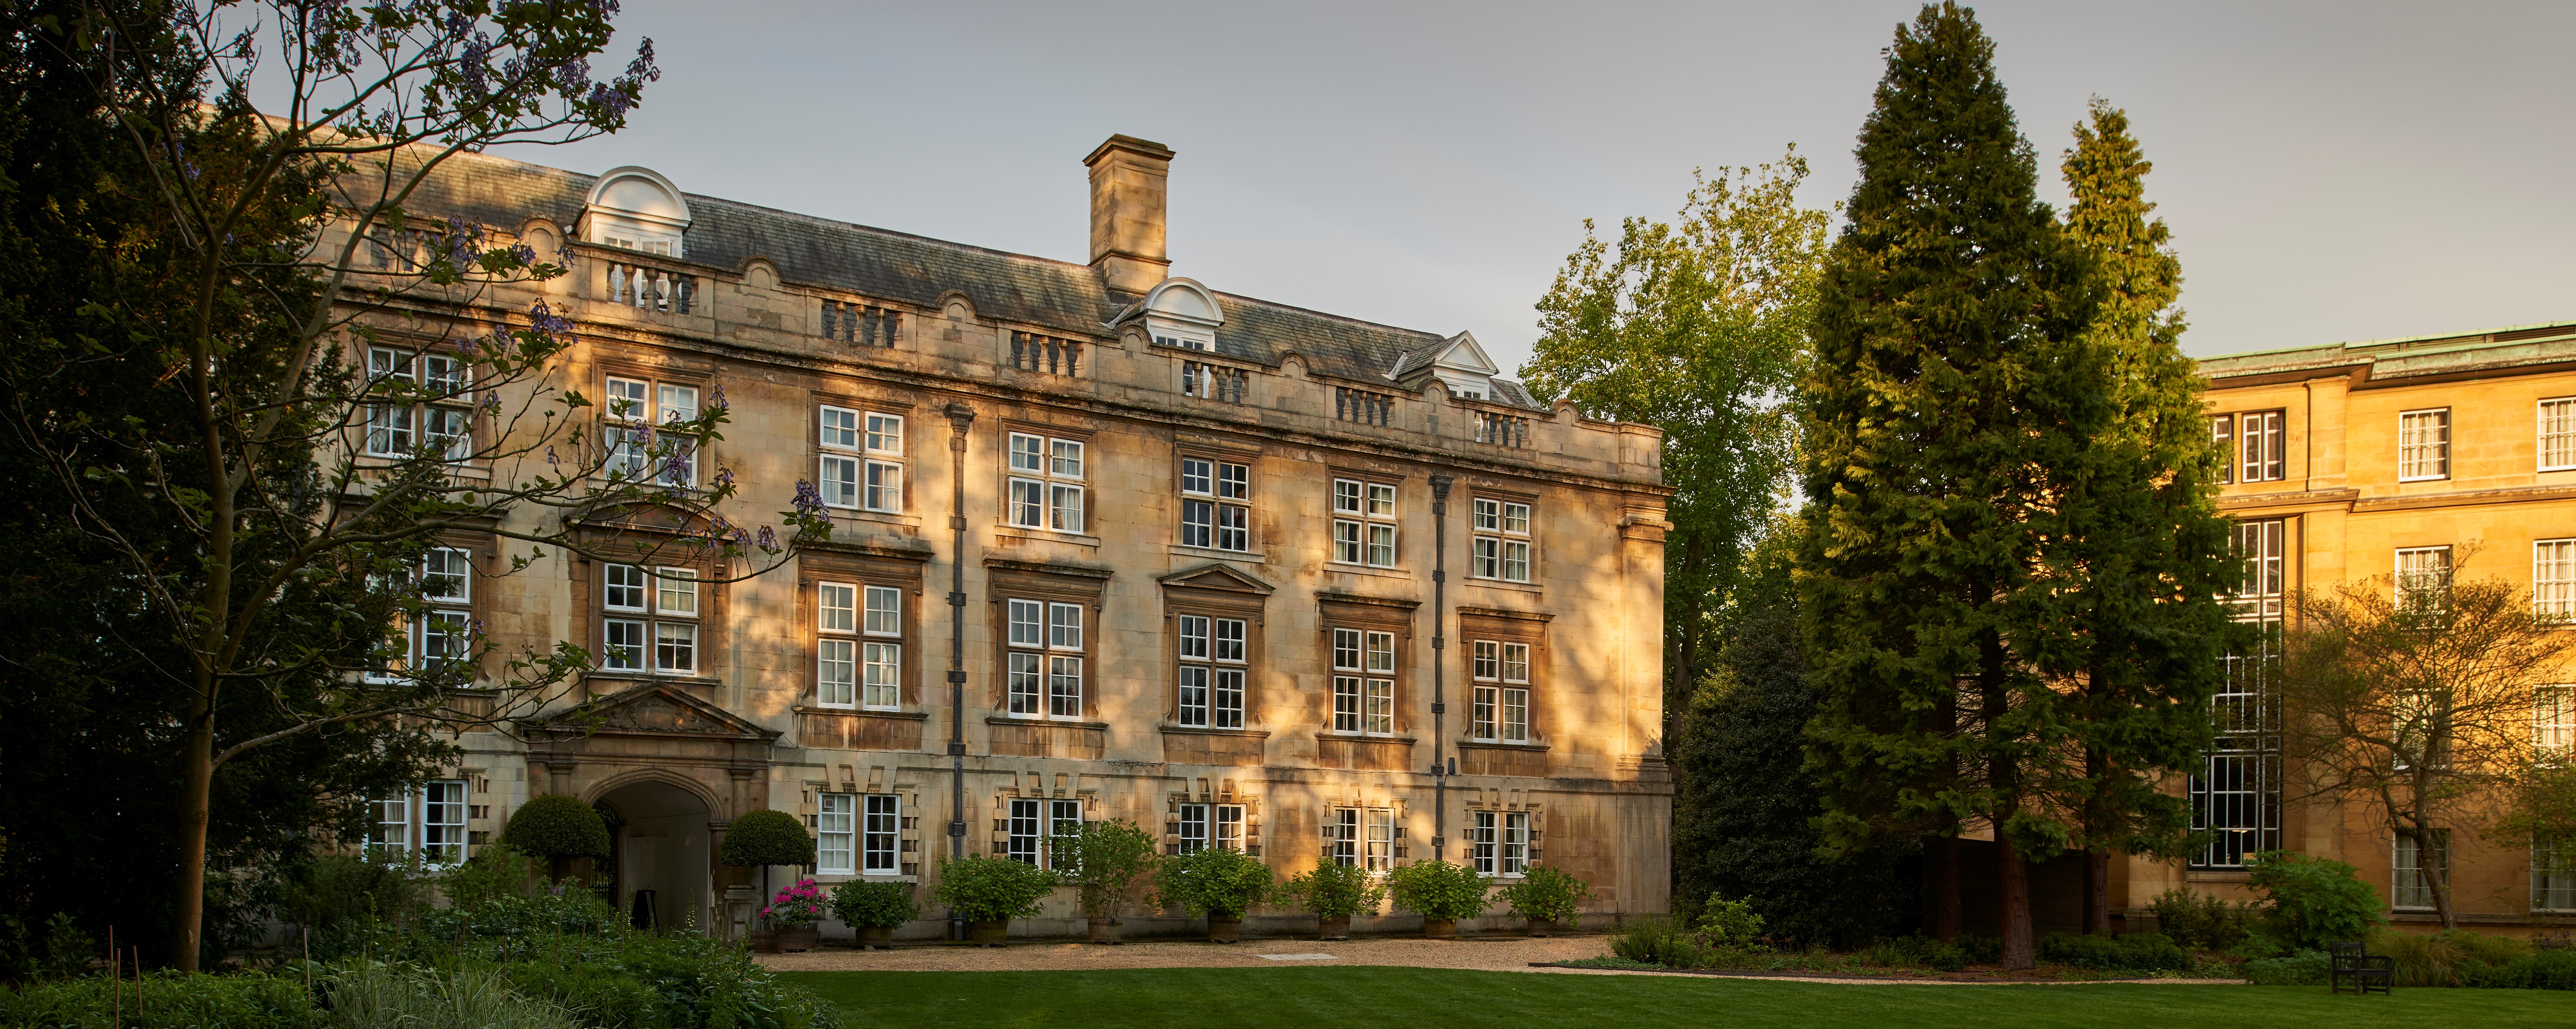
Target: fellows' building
(1251, 575)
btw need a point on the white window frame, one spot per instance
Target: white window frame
(1045, 651)
(836, 834)
(2407, 888)
(1211, 650)
(428, 823)
(1377, 840)
(2262, 446)
(622, 430)
(2557, 434)
(881, 834)
(1498, 843)
(1364, 676)
(2408, 580)
(2424, 444)
(1503, 546)
(1048, 482)
(2553, 875)
(1499, 711)
(2553, 579)
(2553, 722)
(1365, 523)
(664, 629)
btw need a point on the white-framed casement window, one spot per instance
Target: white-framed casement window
(1044, 653)
(440, 413)
(862, 462)
(2410, 889)
(858, 646)
(1362, 837)
(1377, 842)
(1364, 682)
(2558, 434)
(879, 834)
(1502, 540)
(629, 421)
(2553, 579)
(1364, 523)
(1216, 498)
(2424, 445)
(2423, 576)
(2553, 874)
(446, 627)
(2260, 447)
(1210, 825)
(2553, 722)
(651, 620)
(428, 823)
(1498, 843)
(1046, 483)
(836, 834)
(1342, 835)
(2222, 437)
(1500, 672)
(1211, 673)
(1034, 823)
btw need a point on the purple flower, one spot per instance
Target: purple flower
(809, 501)
(550, 454)
(718, 403)
(724, 476)
(768, 538)
(492, 401)
(675, 468)
(642, 67)
(613, 101)
(523, 253)
(546, 322)
(573, 76)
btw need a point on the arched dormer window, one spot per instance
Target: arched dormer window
(637, 209)
(1181, 313)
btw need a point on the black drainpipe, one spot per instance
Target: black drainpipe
(1439, 662)
(959, 417)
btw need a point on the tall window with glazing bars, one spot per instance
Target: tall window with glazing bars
(2236, 794)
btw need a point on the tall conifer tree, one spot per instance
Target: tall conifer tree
(2136, 633)
(1946, 300)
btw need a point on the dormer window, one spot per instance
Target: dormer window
(1182, 315)
(637, 209)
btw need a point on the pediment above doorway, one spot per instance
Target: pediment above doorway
(655, 709)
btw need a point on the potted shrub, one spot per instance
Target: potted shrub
(1335, 892)
(1218, 883)
(875, 909)
(1546, 897)
(1442, 893)
(558, 828)
(795, 916)
(990, 891)
(763, 838)
(1104, 860)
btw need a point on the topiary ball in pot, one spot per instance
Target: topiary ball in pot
(763, 838)
(558, 828)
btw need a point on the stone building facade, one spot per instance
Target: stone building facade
(1247, 574)
(2431, 456)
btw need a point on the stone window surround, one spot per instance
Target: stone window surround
(1003, 474)
(1365, 614)
(589, 610)
(1181, 600)
(904, 573)
(1505, 626)
(655, 376)
(1008, 580)
(816, 401)
(1248, 457)
(1367, 477)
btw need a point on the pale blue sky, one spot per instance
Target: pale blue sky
(2332, 171)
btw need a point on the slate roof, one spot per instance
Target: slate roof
(918, 270)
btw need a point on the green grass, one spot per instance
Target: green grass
(1425, 998)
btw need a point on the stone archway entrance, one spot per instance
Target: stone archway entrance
(664, 855)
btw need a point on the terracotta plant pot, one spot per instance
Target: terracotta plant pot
(988, 934)
(1224, 930)
(879, 936)
(1104, 930)
(1333, 928)
(1439, 929)
(1542, 927)
(795, 938)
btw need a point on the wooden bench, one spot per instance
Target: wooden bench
(2368, 972)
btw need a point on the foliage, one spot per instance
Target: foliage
(2539, 970)
(874, 905)
(2300, 968)
(1546, 893)
(1697, 327)
(377, 995)
(332, 893)
(492, 875)
(1657, 940)
(1108, 859)
(1215, 882)
(2132, 952)
(1915, 951)
(1740, 826)
(2202, 920)
(238, 1001)
(556, 826)
(1436, 889)
(2310, 902)
(1982, 950)
(2451, 957)
(2415, 699)
(798, 905)
(767, 837)
(984, 888)
(1729, 922)
(1335, 890)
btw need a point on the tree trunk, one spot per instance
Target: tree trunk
(196, 786)
(1941, 870)
(2097, 891)
(2437, 877)
(2012, 887)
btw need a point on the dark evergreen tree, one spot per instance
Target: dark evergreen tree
(1944, 303)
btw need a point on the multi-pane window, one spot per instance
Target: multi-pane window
(2222, 437)
(1377, 844)
(2553, 579)
(651, 621)
(2262, 579)
(444, 631)
(1500, 672)
(2236, 791)
(1364, 523)
(1034, 824)
(862, 462)
(1021, 841)
(1502, 540)
(635, 407)
(1046, 484)
(836, 834)
(1211, 673)
(2411, 887)
(1211, 825)
(1342, 835)
(2553, 722)
(2260, 450)
(858, 646)
(2423, 577)
(1364, 682)
(1216, 507)
(1498, 843)
(2558, 434)
(2553, 873)
(2424, 445)
(441, 420)
(1043, 654)
(429, 823)
(878, 834)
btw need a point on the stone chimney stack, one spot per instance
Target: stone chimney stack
(1127, 176)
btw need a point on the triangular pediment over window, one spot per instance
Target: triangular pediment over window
(654, 709)
(1219, 577)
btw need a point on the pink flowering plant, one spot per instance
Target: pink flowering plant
(796, 906)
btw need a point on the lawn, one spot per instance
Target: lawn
(1425, 998)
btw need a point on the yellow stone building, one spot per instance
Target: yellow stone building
(2449, 455)
(1249, 574)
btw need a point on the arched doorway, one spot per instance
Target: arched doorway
(663, 848)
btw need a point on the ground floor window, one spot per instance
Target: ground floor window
(1211, 825)
(1034, 822)
(2553, 873)
(835, 832)
(881, 829)
(2411, 888)
(1498, 843)
(429, 823)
